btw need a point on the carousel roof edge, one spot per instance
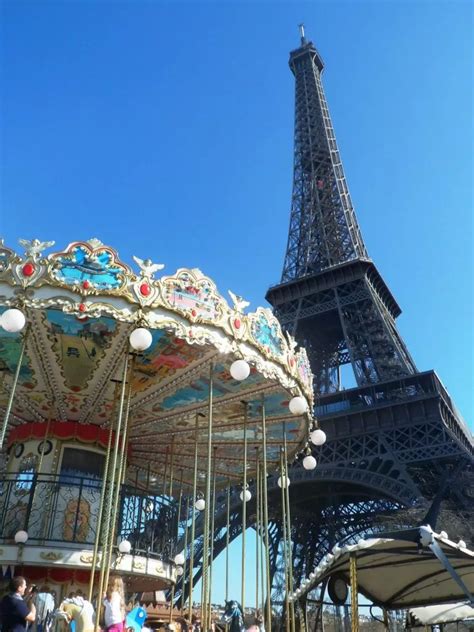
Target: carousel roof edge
(88, 280)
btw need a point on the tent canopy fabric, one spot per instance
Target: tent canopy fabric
(443, 613)
(402, 571)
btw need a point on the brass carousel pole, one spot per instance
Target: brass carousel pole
(257, 528)
(284, 482)
(185, 557)
(354, 594)
(268, 614)
(213, 510)
(99, 534)
(205, 577)
(179, 515)
(288, 531)
(227, 542)
(113, 473)
(8, 409)
(119, 476)
(193, 520)
(244, 510)
(262, 548)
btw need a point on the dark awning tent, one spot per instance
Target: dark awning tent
(404, 569)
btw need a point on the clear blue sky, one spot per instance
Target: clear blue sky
(166, 129)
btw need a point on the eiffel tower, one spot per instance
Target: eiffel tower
(396, 444)
(397, 451)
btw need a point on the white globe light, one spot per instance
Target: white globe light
(248, 495)
(309, 462)
(13, 320)
(318, 437)
(298, 405)
(124, 546)
(21, 537)
(283, 481)
(240, 370)
(443, 535)
(200, 504)
(179, 559)
(461, 544)
(179, 571)
(140, 339)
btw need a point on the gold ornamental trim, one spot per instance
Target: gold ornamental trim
(51, 556)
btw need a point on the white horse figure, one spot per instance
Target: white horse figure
(79, 610)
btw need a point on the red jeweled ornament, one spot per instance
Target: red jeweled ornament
(145, 289)
(193, 313)
(237, 323)
(82, 307)
(86, 285)
(28, 269)
(292, 362)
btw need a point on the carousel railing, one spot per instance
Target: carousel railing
(64, 510)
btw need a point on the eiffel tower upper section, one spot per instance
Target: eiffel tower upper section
(331, 295)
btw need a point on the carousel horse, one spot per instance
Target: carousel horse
(78, 610)
(234, 615)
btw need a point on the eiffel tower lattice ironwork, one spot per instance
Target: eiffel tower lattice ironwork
(396, 444)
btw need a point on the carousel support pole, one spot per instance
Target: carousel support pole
(354, 595)
(288, 532)
(204, 620)
(244, 510)
(103, 494)
(257, 529)
(262, 548)
(268, 614)
(213, 511)
(122, 467)
(193, 519)
(284, 482)
(227, 542)
(113, 473)
(185, 557)
(6, 418)
(180, 497)
(46, 435)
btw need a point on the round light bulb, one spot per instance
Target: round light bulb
(298, 405)
(309, 462)
(179, 571)
(283, 481)
(318, 437)
(443, 535)
(125, 546)
(240, 370)
(179, 559)
(21, 537)
(461, 544)
(200, 504)
(248, 495)
(13, 320)
(140, 339)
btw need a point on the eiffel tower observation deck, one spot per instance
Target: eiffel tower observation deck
(396, 445)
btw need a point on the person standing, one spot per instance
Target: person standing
(15, 613)
(114, 603)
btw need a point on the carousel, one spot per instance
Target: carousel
(127, 404)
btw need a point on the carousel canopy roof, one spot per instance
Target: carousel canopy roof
(81, 305)
(443, 613)
(403, 570)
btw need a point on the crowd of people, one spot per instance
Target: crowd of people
(26, 609)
